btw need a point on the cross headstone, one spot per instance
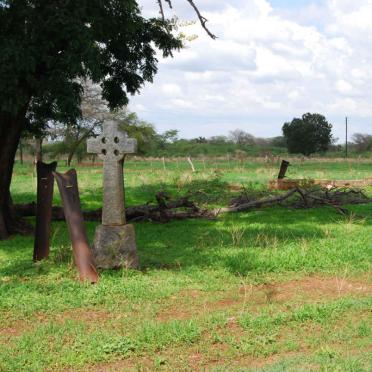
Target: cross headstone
(114, 240)
(112, 146)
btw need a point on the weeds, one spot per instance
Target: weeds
(202, 274)
(62, 254)
(237, 235)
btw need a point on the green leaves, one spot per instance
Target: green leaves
(47, 46)
(312, 133)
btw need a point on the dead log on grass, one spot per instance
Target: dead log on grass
(165, 210)
(183, 208)
(306, 198)
(256, 203)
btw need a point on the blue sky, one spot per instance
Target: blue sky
(273, 60)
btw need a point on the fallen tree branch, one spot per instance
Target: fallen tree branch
(166, 210)
(309, 198)
(256, 203)
(342, 211)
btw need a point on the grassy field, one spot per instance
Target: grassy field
(273, 290)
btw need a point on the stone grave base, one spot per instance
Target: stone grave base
(115, 247)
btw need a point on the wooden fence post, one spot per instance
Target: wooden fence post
(191, 163)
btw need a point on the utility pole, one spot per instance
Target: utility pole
(346, 138)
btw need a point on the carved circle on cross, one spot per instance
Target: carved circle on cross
(111, 147)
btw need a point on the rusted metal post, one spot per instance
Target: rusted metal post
(45, 183)
(283, 169)
(68, 188)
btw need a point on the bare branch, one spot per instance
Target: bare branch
(169, 2)
(202, 19)
(161, 9)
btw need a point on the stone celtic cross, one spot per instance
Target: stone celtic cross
(112, 146)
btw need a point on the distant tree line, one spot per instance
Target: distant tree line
(306, 135)
(361, 142)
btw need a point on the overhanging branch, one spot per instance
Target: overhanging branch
(169, 2)
(161, 9)
(202, 19)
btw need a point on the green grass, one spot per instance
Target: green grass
(274, 289)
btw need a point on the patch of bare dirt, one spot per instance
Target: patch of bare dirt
(209, 355)
(194, 293)
(261, 362)
(13, 331)
(197, 360)
(86, 316)
(172, 311)
(130, 364)
(10, 327)
(252, 362)
(303, 290)
(192, 359)
(318, 288)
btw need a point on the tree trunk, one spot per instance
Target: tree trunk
(75, 147)
(10, 132)
(21, 152)
(38, 149)
(69, 158)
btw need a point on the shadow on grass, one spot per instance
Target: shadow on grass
(262, 241)
(211, 189)
(266, 240)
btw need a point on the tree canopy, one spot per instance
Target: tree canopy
(47, 46)
(307, 135)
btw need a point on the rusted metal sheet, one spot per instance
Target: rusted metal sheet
(283, 169)
(45, 183)
(68, 188)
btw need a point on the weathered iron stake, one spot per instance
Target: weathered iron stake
(45, 183)
(68, 188)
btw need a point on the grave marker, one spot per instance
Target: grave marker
(114, 244)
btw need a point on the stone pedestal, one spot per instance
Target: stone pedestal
(115, 247)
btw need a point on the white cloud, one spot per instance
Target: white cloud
(171, 89)
(344, 87)
(267, 66)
